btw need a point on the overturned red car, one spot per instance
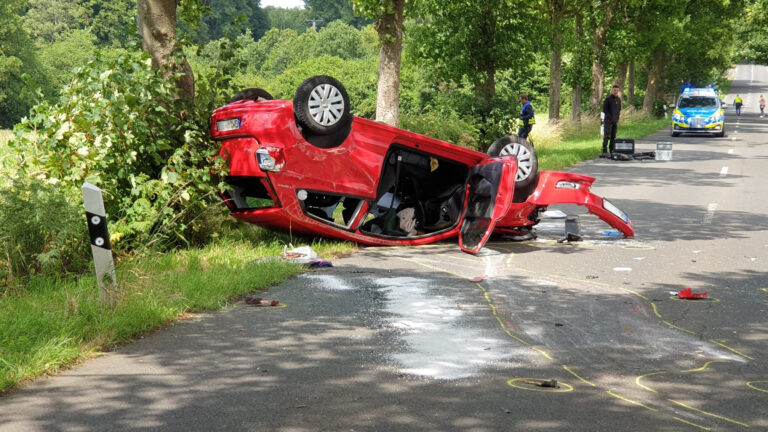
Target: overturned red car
(310, 167)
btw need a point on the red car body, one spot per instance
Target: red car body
(350, 190)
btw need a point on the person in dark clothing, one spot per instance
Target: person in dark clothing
(611, 110)
(526, 115)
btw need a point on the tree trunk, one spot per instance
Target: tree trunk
(556, 61)
(598, 44)
(486, 89)
(631, 84)
(654, 81)
(576, 99)
(621, 75)
(156, 22)
(390, 30)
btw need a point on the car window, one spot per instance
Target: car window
(698, 102)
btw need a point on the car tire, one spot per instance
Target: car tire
(321, 105)
(527, 175)
(720, 134)
(675, 134)
(254, 94)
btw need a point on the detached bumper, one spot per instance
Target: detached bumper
(557, 187)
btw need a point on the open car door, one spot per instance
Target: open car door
(490, 185)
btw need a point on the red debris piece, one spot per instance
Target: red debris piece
(687, 294)
(478, 279)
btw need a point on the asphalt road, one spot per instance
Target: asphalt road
(431, 339)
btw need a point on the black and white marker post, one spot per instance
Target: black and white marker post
(102, 251)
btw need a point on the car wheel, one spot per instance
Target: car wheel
(527, 175)
(321, 105)
(721, 133)
(254, 94)
(675, 134)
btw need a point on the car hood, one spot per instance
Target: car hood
(698, 112)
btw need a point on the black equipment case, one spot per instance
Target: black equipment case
(625, 145)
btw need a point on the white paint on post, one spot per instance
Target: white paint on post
(100, 246)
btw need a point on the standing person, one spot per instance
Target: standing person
(612, 110)
(526, 115)
(762, 106)
(738, 102)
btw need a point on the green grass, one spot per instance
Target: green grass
(47, 324)
(571, 144)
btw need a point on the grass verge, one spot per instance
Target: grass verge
(568, 143)
(47, 324)
(50, 324)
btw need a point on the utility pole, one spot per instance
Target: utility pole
(314, 22)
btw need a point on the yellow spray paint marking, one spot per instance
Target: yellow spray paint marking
(498, 318)
(704, 300)
(635, 293)
(630, 401)
(577, 376)
(706, 365)
(514, 383)
(678, 328)
(655, 311)
(709, 413)
(457, 257)
(692, 424)
(643, 247)
(544, 353)
(731, 349)
(434, 268)
(637, 380)
(761, 386)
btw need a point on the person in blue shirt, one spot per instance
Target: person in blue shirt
(526, 115)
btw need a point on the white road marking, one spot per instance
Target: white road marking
(710, 213)
(724, 171)
(730, 151)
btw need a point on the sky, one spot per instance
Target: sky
(283, 3)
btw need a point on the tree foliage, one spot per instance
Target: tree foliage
(119, 126)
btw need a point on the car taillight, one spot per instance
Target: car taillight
(270, 159)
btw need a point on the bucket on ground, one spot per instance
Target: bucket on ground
(663, 151)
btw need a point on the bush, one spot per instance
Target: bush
(42, 231)
(119, 125)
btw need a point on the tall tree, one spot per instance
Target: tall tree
(16, 59)
(156, 21)
(48, 20)
(327, 11)
(388, 15)
(229, 18)
(606, 10)
(473, 40)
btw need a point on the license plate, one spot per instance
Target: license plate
(228, 124)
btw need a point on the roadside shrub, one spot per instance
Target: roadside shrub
(120, 126)
(43, 231)
(447, 128)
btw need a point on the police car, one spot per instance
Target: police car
(700, 111)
